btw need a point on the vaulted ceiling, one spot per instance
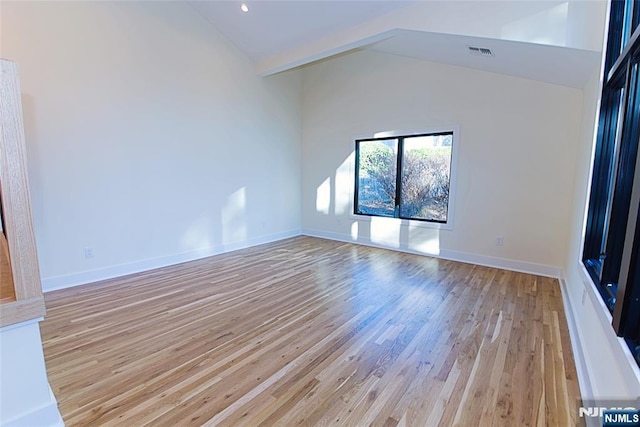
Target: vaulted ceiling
(552, 41)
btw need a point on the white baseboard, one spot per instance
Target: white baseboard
(502, 263)
(584, 381)
(45, 416)
(110, 272)
(90, 276)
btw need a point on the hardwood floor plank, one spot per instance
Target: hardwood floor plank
(7, 288)
(307, 331)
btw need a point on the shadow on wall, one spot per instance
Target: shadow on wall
(225, 232)
(335, 199)
(553, 21)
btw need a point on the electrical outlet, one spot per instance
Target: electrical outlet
(88, 252)
(499, 241)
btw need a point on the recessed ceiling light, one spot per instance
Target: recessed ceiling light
(244, 7)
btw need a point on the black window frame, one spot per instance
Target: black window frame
(397, 211)
(611, 252)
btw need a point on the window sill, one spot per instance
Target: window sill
(606, 319)
(594, 294)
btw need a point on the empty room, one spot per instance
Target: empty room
(352, 213)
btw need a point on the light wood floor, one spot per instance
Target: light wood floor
(312, 332)
(7, 289)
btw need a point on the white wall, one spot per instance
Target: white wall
(517, 155)
(150, 139)
(25, 396)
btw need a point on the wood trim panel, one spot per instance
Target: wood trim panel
(21, 310)
(16, 208)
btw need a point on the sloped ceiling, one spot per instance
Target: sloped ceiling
(552, 41)
(551, 64)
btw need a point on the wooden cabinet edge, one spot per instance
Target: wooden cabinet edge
(16, 204)
(21, 311)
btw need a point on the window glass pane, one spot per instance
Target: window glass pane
(613, 168)
(605, 173)
(634, 346)
(426, 170)
(376, 175)
(627, 25)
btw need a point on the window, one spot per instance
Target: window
(407, 177)
(611, 252)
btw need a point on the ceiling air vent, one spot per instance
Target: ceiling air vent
(482, 51)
